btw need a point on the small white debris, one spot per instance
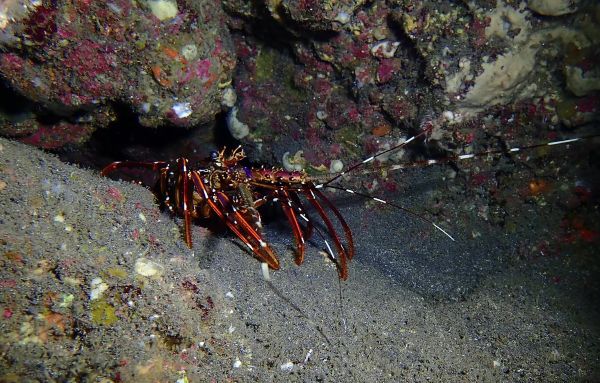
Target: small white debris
(236, 127)
(147, 268)
(182, 109)
(59, 218)
(342, 17)
(142, 217)
(228, 97)
(384, 49)
(497, 364)
(322, 115)
(265, 271)
(336, 166)
(237, 363)
(97, 287)
(229, 294)
(308, 354)
(287, 367)
(448, 115)
(189, 51)
(231, 329)
(163, 9)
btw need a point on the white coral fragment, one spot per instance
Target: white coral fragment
(228, 97)
(384, 49)
(182, 109)
(236, 127)
(336, 166)
(163, 9)
(147, 268)
(553, 7)
(97, 287)
(295, 163)
(342, 17)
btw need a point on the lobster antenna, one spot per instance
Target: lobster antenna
(423, 132)
(414, 214)
(491, 152)
(427, 130)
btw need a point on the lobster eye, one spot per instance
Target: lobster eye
(214, 155)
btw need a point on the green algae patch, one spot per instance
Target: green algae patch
(566, 110)
(265, 65)
(117, 272)
(103, 313)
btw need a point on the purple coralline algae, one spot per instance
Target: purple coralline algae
(361, 75)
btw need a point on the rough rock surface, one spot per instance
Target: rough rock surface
(78, 59)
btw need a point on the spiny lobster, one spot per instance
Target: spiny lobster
(233, 193)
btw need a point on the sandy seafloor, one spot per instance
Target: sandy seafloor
(416, 306)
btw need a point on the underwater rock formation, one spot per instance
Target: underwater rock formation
(166, 61)
(336, 80)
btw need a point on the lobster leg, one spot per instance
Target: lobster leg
(309, 192)
(340, 217)
(286, 205)
(308, 230)
(187, 203)
(261, 249)
(296, 204)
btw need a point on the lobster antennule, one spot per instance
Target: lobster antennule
(154, 166)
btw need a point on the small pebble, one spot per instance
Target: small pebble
(287, 367)
(336, 166)
(189, 51)
(322, 115)
(342, 17)
(147, 268)
(97, 287)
